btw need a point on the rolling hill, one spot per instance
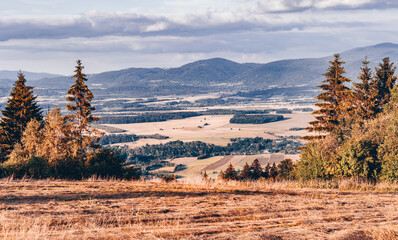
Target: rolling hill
(211, 75)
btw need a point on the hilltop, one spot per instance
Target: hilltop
(213, 75)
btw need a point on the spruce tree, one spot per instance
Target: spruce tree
(245, 174)
(365, 94)
(384, 81)
(230, 173)
(256, 169)
(273, 172)
(21, 108)
(80, 97)
(266, 171)
(335, 105)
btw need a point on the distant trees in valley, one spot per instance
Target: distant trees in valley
(255, 119)
(241, 146)
(284, 170)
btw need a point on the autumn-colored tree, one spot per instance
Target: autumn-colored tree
(384, 80)
(245, 174)
(256, 169)
(364, 97)
(334, 106)
(80, 98)
(229, 174)
(21, 108)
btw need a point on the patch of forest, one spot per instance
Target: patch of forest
(255, 119)
(125, 138)
(148, 154)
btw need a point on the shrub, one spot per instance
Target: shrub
(131, 173)
(107, 162)
(311, 165)
(168, 179)
(17, 162)
(358, 158)
(285, 169)
(38, 168)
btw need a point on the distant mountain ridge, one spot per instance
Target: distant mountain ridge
(214, 75)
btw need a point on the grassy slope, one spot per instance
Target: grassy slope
(100, 209)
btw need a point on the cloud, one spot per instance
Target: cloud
(302, 5)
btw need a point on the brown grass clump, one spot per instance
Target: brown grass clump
(112, 209)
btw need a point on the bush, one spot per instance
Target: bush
(358, 158)
(131, 173)
(168, 179)
(107, 162)
(38, 168)
(311, 165)
(285, 169)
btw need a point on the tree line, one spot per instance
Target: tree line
(356, 127)
(254, 172)
(255, 118)
(241, 146)
(54, 145)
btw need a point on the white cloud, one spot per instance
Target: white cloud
(242, 30)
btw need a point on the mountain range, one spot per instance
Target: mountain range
(211, 75)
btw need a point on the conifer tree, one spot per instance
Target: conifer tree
(80, 97)
(245, 174)
(273, 172)
(365, 94)
(230, 173)
(21, 108)
(335, 105)
(266, 171)
(256, 169)
(384, 81)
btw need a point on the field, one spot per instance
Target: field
(108, 209)
(215, 129)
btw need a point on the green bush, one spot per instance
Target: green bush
(38, 168)
(107, 162)
(131, 173)
(285, 169)
(311, 166)
(358, 158)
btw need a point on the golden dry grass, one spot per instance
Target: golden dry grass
(110, 209)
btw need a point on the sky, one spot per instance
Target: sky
(50, 35)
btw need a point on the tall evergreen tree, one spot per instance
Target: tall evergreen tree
(365, 94)
(245, 174)
(335, 105)
(21, 108)
(256, 169)
(384, 80)
(229, 174)
(80, 97)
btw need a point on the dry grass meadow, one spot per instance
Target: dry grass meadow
(111, 209)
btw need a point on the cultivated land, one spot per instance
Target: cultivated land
(218, 131)
(99, 209)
